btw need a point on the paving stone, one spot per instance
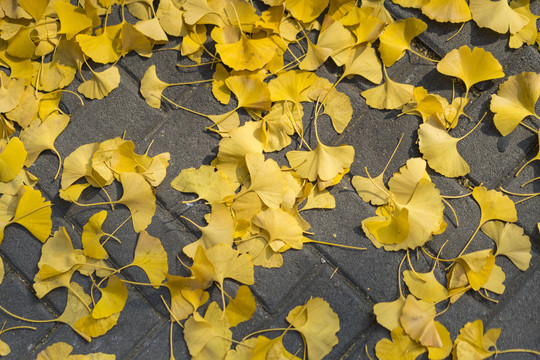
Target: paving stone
(135, 322)
(516, 318)
(17, 298)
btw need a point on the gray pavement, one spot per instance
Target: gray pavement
(350, 281)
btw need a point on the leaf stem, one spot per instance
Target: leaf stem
(453, 211)
(468, 242)
(423, 56)
(517, 350)
(337, 245)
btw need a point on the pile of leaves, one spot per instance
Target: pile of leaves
(265, 55)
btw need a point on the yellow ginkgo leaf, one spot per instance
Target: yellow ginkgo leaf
(91, 235)
(73, 19)
(396, 39)
(363, 24)
(12, 159)
(101, 83)
(388, 313)
(417, 4)
(371, 189)
(152, 258)
(319, 199)
(247, 54)
(318, 325)
(515, 100)
(170, 18)
(230, 263)
(439, 149)
(260, 251)
(281, 228)
(103, 48)
(187, 295)
(363, 60)
(78, 164)
(208, 337)
(152, 29)
(401, 347)
(497, 16)
(478, 266)
(494, 205)
(471, 66)
(11, 92)
(378, 10)
(96, 327)
(233, 149)
(424, 104)
(496, 280)
(22, 178)
(277, 126)
(419, 324)
(306, 10)
(390, 95)
(511, 242)
(527, 34)
(113, 298)
(220, 90)
(152, 87)
(251, 92)
(455, 11)
(324, 162)
(220, 230)
(139, 197)
(291, 86)
(61, 350)
(208, 183)
(425, 286)
(266, 180)
(336, 104)
(40, 136)
(58, 255)
(242, 307)
(34, 213)
(472, 343)
(440, 353)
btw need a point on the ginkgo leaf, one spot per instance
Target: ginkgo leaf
(170, 18)
(364, 24)
(233, 149)
(279, 124)
(34, 213)
(62, 351)
(76, 308)
(424, 104)
(496, 280)
(113, 298)
(472, 343)
(11, 92)
(401, 347)
(324, 162)
(220, 230)
(266, 179)
(440, 149)
(251, 92)
(306, 10)
(291, 86)
(140, 199)
(96, 327)
(471, 66)
(220, 90)
(260, 251)
(73, 19)
(515, 100)
(187, 295)
(388, 313)
(455, 11)
(390, 95)
(336, 104)
(152, 29)
(318, 325)
(319, 199)
(497, 16)
(396, 39)
(101, 83)
(478, 266)
(363, 60)
(229, 263)
(281, 228)
(152, 87)
(425, 286)
(40, 136)
(152, 258)
(511, 242)
(103, 48)
(210, 184)
(440, 353)
(91, 235)
(378, 10)
(34, 7)
(208, 337)
(494, 205)
(527, 34)
(58, 256)
(247, 54)
(419, 324)
(12, 159)
(241, 308)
